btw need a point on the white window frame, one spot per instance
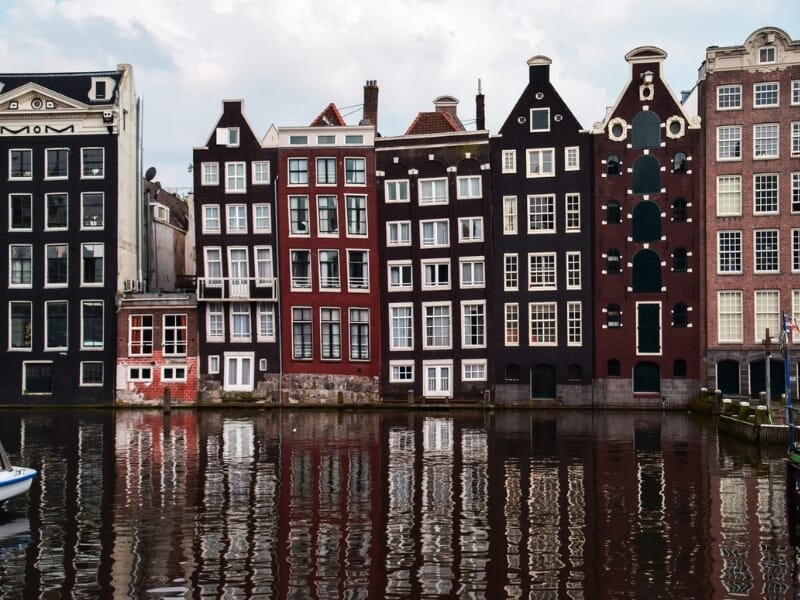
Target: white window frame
(26, 175)
(468, 186)
(260, 172)
(510, 215)
(297, 176)
(327, 206)
(174, 373)
(264, 261)
(432, 191)
(356, 204)
(353, 285)
(265, 322)
(262, 218)
(795, 191)
(235, 219)
(425, 316)
(213, 364)
(324, 175)
(439, 367)
(355, 170)
(329, 282)
(330, 341)
(215, 322)
(235, 177)
(394, 231)
(766, 313)
(546, 203)
(481, 363)
(573, 264)
(552, 337)
(542, 271)
(729, 253)
(509, 161)
(469, 304)
(795, 93)
(732, 319)
(101, 171)
(83, 382)
(572, 158)
(31, 273)
(767, 254)
(240, 311)
(439, 225)
(102, 276)
(102, 220)
(729, 96)
(767, 54)
(102, 343)
(209, 173)
(29, 198)
(510, 272)
(240, 358)
(47, 283)
(471, 264)
(730, 138)
(355, 319)
(140, 373)
(536, 164)
(763, 136)
(49, 177)
(434, 283)
(474, 227)
(760, 181)
(228, 136)
(402, 266)
(401, 364)
(572, 212)
(766, 90)
(729, 201)
(794, 141)
(47, 225)
(543, 110)
(47, 346)
(511, 324)
(396, 191)
(409, 318)
(574, 323)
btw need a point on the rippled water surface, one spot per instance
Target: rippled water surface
(391, 504)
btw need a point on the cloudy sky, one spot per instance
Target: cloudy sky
(287, 60)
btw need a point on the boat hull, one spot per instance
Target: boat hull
(15, 482)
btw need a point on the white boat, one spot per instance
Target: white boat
(13, 480)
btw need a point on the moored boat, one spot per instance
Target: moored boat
(13, 480)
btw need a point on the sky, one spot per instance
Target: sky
(288, 59)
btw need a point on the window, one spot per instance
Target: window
(511, 323)
(357, 270)
(765, 140)
(542, 271)
(331, 336)
(509, 158)
(795, 142)
(613, 316)
(469, 186)
(766, 94)
(613, 261)
(473, 369)
(228, 136)
(92, 262)
(542, 214)
(323, 140)
(612, 165)
(795, 192)
(680, 210)
(765, 194)
(298, 171)
(298, 215)
(56, 264)
(729, 142)
(262, 218)
(573, 270)
(234, 177)
(327, 216)
(729, 97)
(91, 373)
(173, 373)
(680, 260)
(766, 54)
(55, 334)
(211, 220)
(438, 376)
(509, 215)
(240, 322)
(56, 208)
(398, 233)
(92, 324)
(573, 212)
(140, 335)
(540, 119)
(301, 333)
(401, 371)
(613, 213)
(680, 315)
(542, 323)
(729, 195)
(397, 190)
(56, 163)
(210, 173)
(20, 258)
(20, 332)
(329, 269)
(266, 322)
(20, 164)
(359, 334)
(767, 314)
(435, 233)
(20, 217)
(796, 92)
(436, 274)
(470, 229)
(239, 272)
(680, 162)
(729, 252)
(437, 325)
(472, 272)
(213, 267)
(301, 269)
(92, 163)
(356, 215)
(215, 321)
(796, 251)
(264, 271)
(298, 140)
(541, 162)
(260, 172)
(473, 319)
(765, 259)
(236, 218)
(401, 323)
(572, 160)
(175, 334)
(646, 130)
(646, 175)
(239, 371)
(510, 272)
(399, 275)
(433, 191)
(92, 210)
(574, 324)
(355, 171)
(326, 171)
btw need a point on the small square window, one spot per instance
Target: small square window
(92, 373)
(261, 172)
(540, 119)
(767, 54)
(173, 373)
(210, 173)
(140, 374)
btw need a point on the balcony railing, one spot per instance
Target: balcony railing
(236, 289)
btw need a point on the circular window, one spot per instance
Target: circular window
(37, 103)
(617, 130)
(675, 127)
(647, 92)
(558, 118)
(539, 95)
(521, 120)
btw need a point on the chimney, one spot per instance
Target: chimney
(539, 70)
(480, 110)
(371, 103)
(447, 104)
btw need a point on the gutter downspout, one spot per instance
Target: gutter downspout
(277, 262)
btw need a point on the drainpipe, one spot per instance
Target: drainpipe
(276, 262)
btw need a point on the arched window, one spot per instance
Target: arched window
(613, 368)
(646, 130)
(679, 368)
(512, 372)
(680, 260)
(613, 261)
(680, 210)
(679, 162)
(574, 373)
(646, 272)
(646, 222)
(613, 316)
(613, 213)
(680, 315)
(646, 175)
(612, 165)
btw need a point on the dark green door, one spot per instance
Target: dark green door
(646, 377)
(728, 376)
(543, 382)
(649, 328)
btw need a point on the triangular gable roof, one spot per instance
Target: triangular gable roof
(330, 116)
(40, 90)
(433, 122)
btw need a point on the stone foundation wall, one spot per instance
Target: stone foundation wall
(329, 389)
(617, 392)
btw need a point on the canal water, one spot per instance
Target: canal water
(391, 504)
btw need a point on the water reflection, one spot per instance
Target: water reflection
(304, 504)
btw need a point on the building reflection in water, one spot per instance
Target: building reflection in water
(308, 504)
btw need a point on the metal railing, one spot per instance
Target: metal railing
(236, 289)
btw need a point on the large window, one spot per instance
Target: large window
(301, 333)
(357, 270)
(92, 163)
(397, 190)
(542, 319)
(262, 218)
(572, 158)
(326, 171)
(796, 251)
(401, 323)
(436, 273)
(174, 342)
(766, 93)
(542, 213)
(473, 329)
(541, 271)
(729, 252)
(20, 164)
(331, 333)
(765, 258)
(55, 325)
(729, 142)
(140, 335)
(767, 314)
(260, 172)
(20, 332)
(765, 194)
(541, 162)
(472, 272)
(729, 195)
(399, 275)
(211, 218)
(398, 233)
(92, 324)
(796, 92)
(239, 368)
(511, 323)
(239, 272)
(237, 218)
(355, 170)
(540, 119)
(92, 263)
(435, 233)
(235, 178)
(729, 316)
(469, 186)
(20, 259)
(437, 325)
(56, 163)
(327, 216)
(298, 215)
(209, 173)
(92, 210)
(765, 140)
(729, 97)
(359, 334)
(329, 269)
(56, 207)
(433, 191)
(301, 269)
(298, 171)
(356, 215)
(470, 229)
(20, 217)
